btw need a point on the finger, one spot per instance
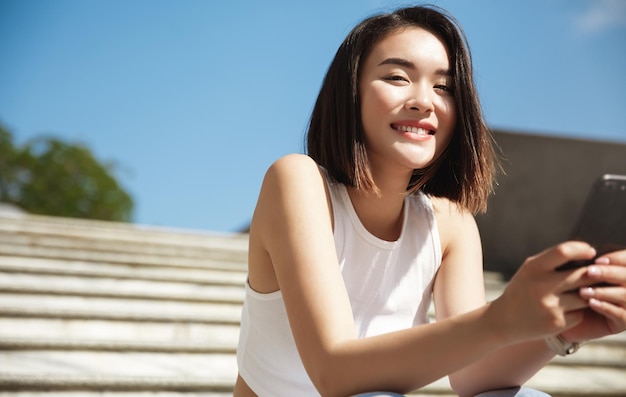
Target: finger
(573, 301)
(616, 314)
(572, 280)
(614, 258)
(573, 318)
(611, 274)
(560, 254)
(614, 295)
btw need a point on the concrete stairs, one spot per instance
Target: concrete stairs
(99, 308)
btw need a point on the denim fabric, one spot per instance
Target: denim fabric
(514, 392)
(379, 394)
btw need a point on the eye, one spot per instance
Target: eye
(443, 87)
(396, 77)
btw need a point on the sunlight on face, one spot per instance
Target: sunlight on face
(408, 109)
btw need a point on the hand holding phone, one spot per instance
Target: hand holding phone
(602, 221)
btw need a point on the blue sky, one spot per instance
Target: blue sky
(193, 100)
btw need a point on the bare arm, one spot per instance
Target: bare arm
(459, 289)
(292, 227)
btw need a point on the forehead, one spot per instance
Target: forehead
(414, 44)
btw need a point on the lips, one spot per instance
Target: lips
(422, 129)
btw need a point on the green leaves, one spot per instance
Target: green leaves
(51, 177)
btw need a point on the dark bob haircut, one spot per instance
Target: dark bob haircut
(463, 173)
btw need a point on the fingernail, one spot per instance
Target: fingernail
(594, 271)
(587, 292)
(595, 303)
(603, 260)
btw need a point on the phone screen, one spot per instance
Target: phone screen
(602, 221)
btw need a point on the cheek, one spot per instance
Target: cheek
(444, 142)
(375, 105)
(448, 112)
(448, 122)
(379, 97)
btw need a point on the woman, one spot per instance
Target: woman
(348, 244)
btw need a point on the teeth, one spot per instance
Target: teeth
(413, 130)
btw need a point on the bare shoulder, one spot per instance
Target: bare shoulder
(294, 159)
(292, 185)
(453, 221)
(295, 183)
(292, 201)
(447, 211)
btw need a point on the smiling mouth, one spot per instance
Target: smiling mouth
(412, 129)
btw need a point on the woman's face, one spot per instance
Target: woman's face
(407, 106)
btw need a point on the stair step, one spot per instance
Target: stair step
(61, 244)
(119, 330)
(44, 345)
(111, 393)
(48, 306)
(45, 266)
(207, 318)
(580, 381)
(116, 257)
(17, 283)
(45, 229)
(218, 368)
(110, 230)
(203, 383)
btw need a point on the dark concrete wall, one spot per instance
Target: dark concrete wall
(537, 201)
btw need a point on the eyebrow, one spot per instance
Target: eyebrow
(408, 64)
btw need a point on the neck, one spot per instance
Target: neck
(382, 214)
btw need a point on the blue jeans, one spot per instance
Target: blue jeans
(514, 392)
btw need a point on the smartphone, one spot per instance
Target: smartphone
(602, 221)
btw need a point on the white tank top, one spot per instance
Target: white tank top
(389, 285)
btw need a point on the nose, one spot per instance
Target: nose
(420, 99)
